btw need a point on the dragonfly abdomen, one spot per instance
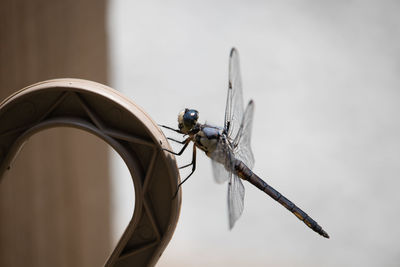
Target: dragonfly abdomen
(246, 174)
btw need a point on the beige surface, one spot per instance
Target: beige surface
(44, 217)
(122, 124)
(51, 202)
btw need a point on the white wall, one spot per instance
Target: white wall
(325, 79)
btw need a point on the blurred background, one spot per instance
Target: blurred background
(324, 76)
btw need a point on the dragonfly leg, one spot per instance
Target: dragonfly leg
(185, 166)
(170, 128)
(190, 174)
(180, 142)
(186, 142)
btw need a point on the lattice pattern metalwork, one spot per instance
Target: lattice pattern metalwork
(109, 115)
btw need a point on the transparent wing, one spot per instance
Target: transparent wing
(235, 200)
(234, 101)
(222, 156)
(221, 175)
(242, 142)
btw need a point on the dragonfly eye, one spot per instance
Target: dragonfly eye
(190, 117)
(187, 119)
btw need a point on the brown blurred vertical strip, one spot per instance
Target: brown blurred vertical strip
(54, 203)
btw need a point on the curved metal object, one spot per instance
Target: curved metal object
(109, 115)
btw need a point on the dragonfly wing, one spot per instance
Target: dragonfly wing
(221, 157)
(242, 142)
(234, 101)
(235, 199)
(221, 175)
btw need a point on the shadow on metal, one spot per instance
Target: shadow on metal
(106, 113)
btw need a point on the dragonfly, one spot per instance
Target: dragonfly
(229, 148)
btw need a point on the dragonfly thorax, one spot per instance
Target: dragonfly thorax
(187, 120)
(208, 137)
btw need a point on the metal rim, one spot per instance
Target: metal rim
(106, 113)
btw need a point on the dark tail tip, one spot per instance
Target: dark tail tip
(324, 234)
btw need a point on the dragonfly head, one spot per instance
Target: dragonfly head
(187, 119)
